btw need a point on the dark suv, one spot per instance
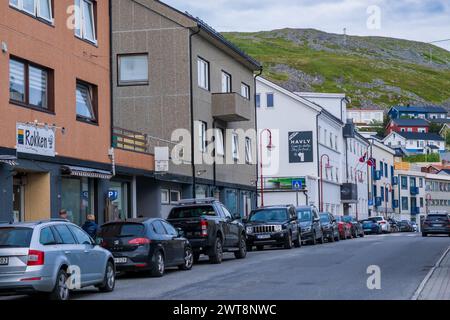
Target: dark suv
(436, 223)
(330, 227)
(274, 225)
(310, 225)
(210, 228)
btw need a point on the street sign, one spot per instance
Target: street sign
(161, 159)
(297, 185)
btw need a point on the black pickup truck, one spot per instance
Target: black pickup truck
(210, 228)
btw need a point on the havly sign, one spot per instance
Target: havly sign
(34, 139)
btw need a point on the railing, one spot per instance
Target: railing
(130, 140)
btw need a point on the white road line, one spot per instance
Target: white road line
(428, 276)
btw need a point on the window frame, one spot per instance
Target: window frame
(50, 85)
(167, 192)
(202, 136)
(82, 35)
(93, 90)
(235, 146)
(258, 100)
(248, 151)
(36, 12)
(207, 85)
(229, 78)
(247, 91)
(122, 83)
(273, 100)
(178, 192)
(219, 142)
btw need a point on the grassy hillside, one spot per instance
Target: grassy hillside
(371, 70)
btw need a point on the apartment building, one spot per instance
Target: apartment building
(411, 194)
(366, 116)
(173, 72)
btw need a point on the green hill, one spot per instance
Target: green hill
(371, 70)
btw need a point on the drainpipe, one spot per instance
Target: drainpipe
(318, 156)
(111, 74)
(257, 135)
(192, 112)
(214, 155)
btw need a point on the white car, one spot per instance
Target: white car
(385, 225)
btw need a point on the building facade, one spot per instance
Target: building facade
(420, 112)
(416, 142)
(364, 117)
(408, 125)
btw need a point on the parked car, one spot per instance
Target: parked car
(309, 224)
(394, 224)
(371, 227)
(436, 223)
(146, 244)
(273, 225)
(329, 226)
(385, 225)
(345, 228)
(405, 226)
(38, 257)
(356, 227)
(415, 227)
(210, 228)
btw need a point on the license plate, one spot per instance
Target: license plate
(120, 260)
(264, 236)
(436, 225)
(4, 261)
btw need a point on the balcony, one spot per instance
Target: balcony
(130, 140)
(414, 191)
(231, 107)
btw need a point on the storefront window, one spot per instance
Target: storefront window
(231, 201)
(201, 191)
(119, 196)
(77, 198)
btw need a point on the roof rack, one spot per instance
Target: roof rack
(197, 201)
(53, 220)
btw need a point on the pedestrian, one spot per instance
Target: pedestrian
(63, 214)
(90, 226)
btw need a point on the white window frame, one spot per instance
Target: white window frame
(226, 82)
(36, 9)
(245, 91)
(178, 196)
(121, 82)
(235, 146)
(248, 150)
(220, 149)
(203, 73)
(202, 127)
(258, 99)
(82, 34)
(167, 193)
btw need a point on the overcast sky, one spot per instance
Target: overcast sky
(422, 20)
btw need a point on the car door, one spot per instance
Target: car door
(73, 252)
(316, 223)
(176, 242)
(293, 222)
(92, 259)
(163, 239)
(232, 227)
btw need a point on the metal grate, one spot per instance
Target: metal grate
(263, 229)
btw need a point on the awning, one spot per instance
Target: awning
(86, 172)
(9, 160)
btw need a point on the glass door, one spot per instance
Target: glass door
(18, 201)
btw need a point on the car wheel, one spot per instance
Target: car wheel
(188, 259)
(242, 253)
(61, 290)
(110, 279)
(288, 241)
(217, 252)
(298, 241)
(424, 234)
(260, 248)
(158, 266)
(362, 235)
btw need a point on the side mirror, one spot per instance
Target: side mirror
(180, 232)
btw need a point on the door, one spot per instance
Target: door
(163, 238)
(18, 201)
(74, 253)
(232, 227)
(176, 243)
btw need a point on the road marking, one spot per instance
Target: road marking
(428, 276)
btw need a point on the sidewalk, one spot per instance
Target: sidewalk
(437, 286)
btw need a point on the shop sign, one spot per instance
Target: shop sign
(300, 147)
(35, 140)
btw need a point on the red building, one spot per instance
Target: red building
(408, 125)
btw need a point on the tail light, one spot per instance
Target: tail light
(204, 226)
(35, 258)
(139, 241)
(382, 222)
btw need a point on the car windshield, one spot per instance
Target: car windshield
(437, 217)
(192, 212)
(324, 218)
(115, 230)
(367, 222)
(347, 219)
(267, 215)
(15, 237)
(304, 215)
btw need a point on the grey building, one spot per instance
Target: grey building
(172, 71)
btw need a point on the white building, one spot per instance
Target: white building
(416, 142)
(365, 116)
(410, 193)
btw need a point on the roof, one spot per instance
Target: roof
(411, 122)
(333, 117)
(424, 109)
(420, 136)
(440, 121)
(446, 171)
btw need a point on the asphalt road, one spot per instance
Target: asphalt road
(330, 271)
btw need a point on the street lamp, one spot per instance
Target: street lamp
(387, 198)
(327, 166)
(269, 147)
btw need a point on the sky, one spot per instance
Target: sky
(421, 20)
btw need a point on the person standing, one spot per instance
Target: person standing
(90, 226)
(63, 214)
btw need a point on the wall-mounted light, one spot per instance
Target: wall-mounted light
(4, 47)
(200, 172)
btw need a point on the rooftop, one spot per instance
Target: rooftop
(411, 122)
(420, 136)
(424, 109)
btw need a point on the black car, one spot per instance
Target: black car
(405, 226)
(329, 226)
(273, 225)
(210, 228)
(309, 224)
(146, 244)
(436, 223)
(357, 229)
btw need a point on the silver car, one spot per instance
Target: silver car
(52, 257)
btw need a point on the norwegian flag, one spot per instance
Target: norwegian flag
(363, 158)
(371, 162)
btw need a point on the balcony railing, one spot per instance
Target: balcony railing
(231, 107)
(414, 191)
(130, 140)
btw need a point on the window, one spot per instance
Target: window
(245, 91)
(46, 237)
(202, 136)
(270, 100)
(421, 202)
(175, 196)
(248, 151)
(226, 82)
(133, 69)
(38, 8)
(404, 203)
(29, 84)
(84, 20)
(382, 193)
(81, 236)
(258, 100)
(331, 140)
(165, 196)
(386, 172)
(86, 101)
(203, 73)
(235, 146)
(381, 168)
(336, 143)
(65, 234)
(220, 150)
(170, 230)
(404, 182)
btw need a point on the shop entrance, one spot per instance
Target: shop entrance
(18, 200)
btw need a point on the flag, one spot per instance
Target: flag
(363, 158)
(371, 162)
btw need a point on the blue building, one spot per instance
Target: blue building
(421, 112)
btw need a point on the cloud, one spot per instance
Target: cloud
(421, 20)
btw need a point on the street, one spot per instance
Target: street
(330, 271)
